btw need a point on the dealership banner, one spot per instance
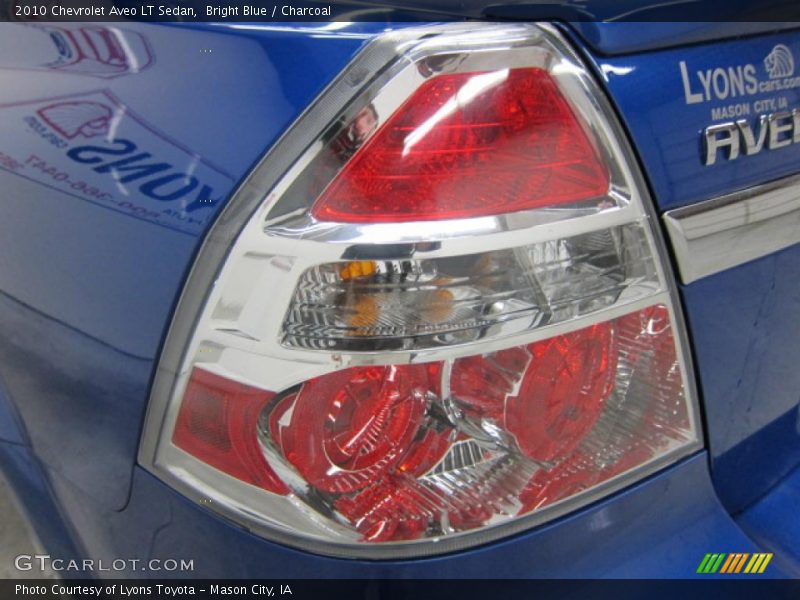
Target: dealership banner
(400, 589)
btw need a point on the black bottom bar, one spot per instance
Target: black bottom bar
(401, 589)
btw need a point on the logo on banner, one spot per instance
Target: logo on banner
(74, 119)
(780, 62)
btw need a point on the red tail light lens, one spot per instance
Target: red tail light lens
(447, 320)
(565, 386)
(348, 428)
(388, 455)
(469, 145)
(547, 394)
(215, 424)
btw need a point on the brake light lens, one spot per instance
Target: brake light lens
(467, 145)
(448, 320)
(215, 425)
(345, 430)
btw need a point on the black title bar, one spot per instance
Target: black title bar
(774, 11)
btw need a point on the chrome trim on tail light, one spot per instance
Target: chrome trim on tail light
(265, 222)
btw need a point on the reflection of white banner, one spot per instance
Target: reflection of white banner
(97, 50)
(93, 147)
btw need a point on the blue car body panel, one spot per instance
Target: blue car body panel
(10, 428)
(88, 284)
(745, 332)
(766, 523)
(643, 32)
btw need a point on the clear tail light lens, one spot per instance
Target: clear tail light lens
(421, 303)
(450, 318)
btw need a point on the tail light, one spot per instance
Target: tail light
(448, 320)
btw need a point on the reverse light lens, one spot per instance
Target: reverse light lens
(412, 304)
(445, 318)
(468, 145)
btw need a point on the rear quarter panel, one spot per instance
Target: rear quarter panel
(119, 143)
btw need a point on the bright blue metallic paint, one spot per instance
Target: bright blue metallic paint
(624, 37)
(773, 524)
(743, 323)
(10, 428)
(29, 484)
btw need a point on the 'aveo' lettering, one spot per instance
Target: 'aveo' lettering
(732, 138)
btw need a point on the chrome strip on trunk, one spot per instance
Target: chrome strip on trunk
(718, 234)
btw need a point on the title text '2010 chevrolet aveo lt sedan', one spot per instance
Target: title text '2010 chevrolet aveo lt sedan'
(485, 299)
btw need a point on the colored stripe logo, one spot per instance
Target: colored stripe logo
(737, 562)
